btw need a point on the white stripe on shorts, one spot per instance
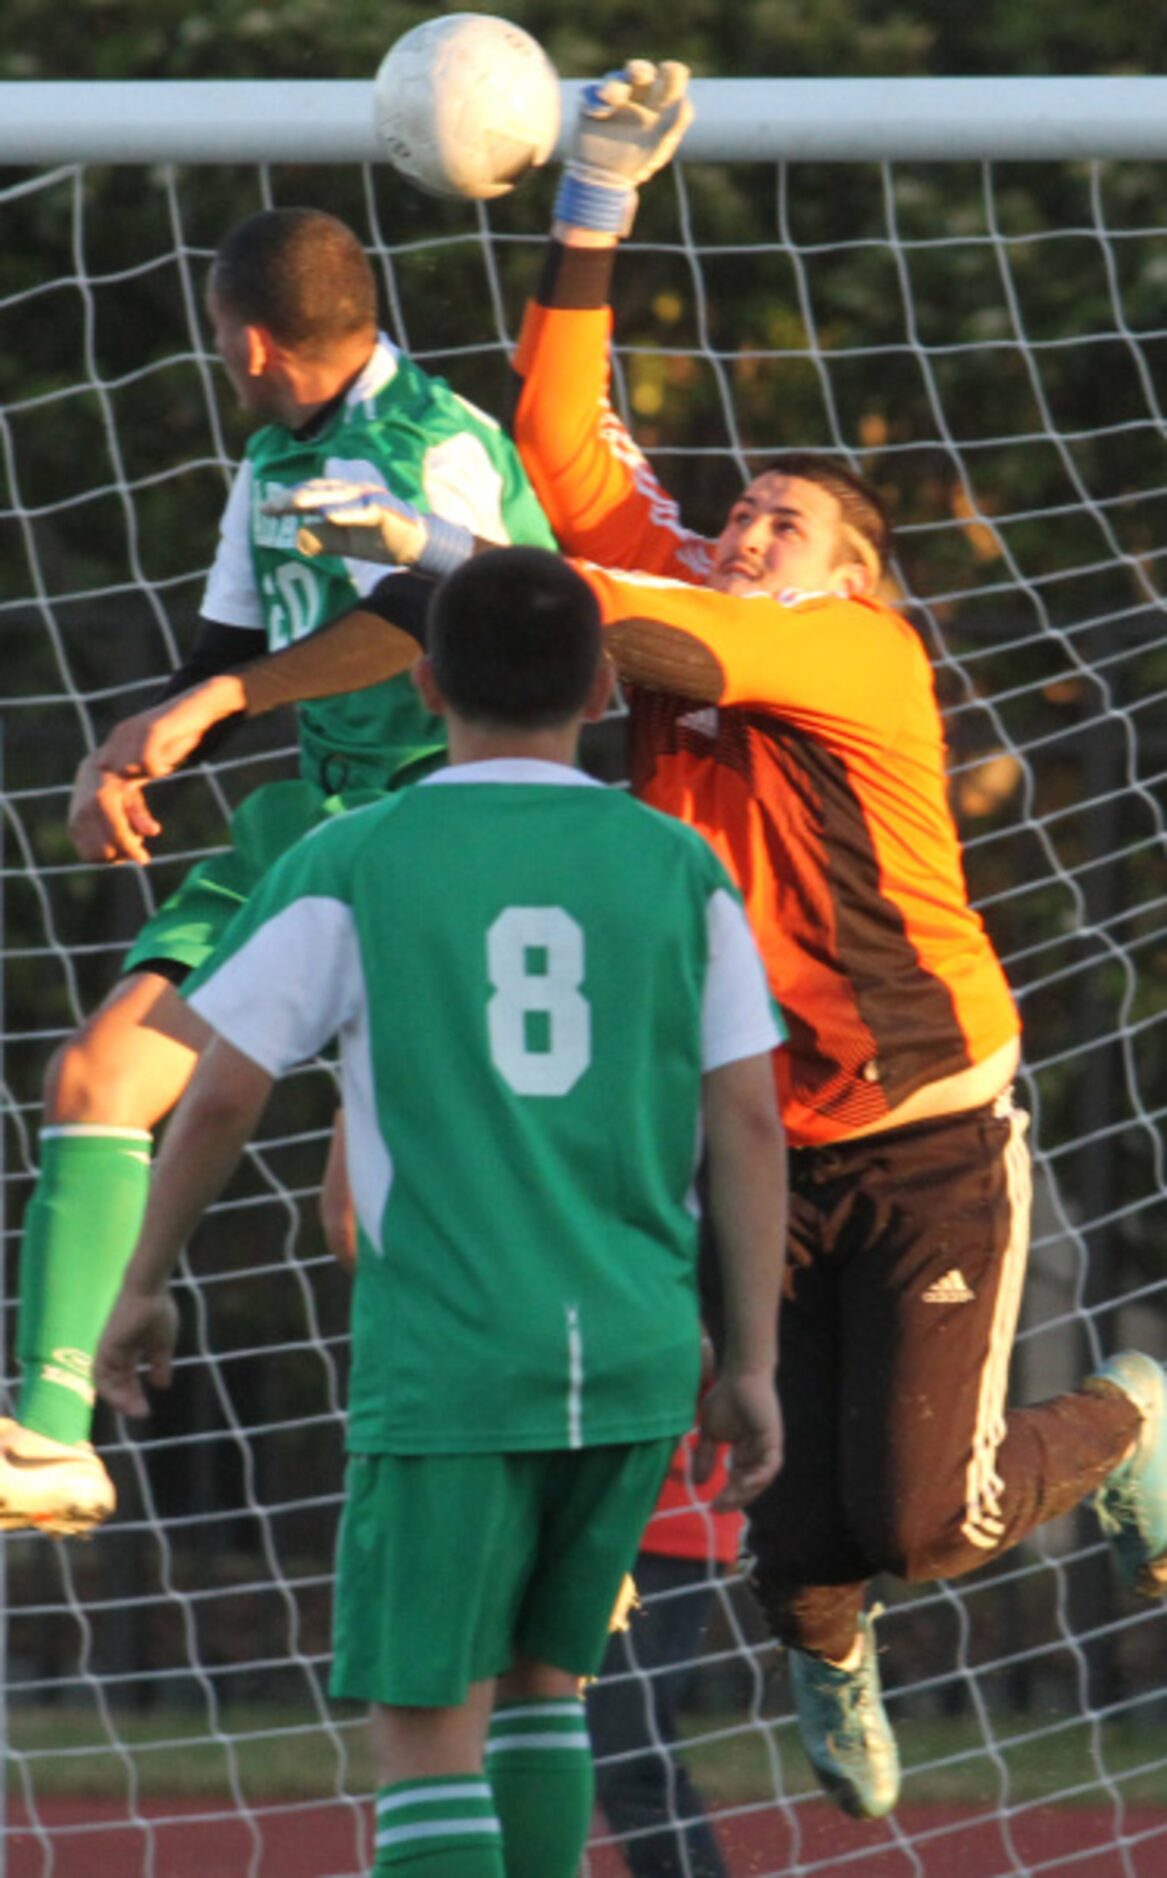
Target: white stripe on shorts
(982, 1525)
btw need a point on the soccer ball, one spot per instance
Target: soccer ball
(466, 104)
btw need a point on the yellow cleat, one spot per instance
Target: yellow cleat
(56, 1487)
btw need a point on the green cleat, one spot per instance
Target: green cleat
(1132, 1502)
(845, 1730)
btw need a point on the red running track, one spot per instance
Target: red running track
(88, 1839)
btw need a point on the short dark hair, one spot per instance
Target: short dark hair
(862, 509)
(300, 273)
(514, 639)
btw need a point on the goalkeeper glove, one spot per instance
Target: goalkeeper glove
(629, 124)
(364, 522)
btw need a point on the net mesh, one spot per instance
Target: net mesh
(986, 342)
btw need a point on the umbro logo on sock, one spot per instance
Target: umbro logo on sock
(952, 1288)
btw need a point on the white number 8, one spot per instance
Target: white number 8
(535, 961)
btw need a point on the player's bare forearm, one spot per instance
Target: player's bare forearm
(748, 1199)
(157, 742)
(203, 1142)
(337, 1212)
(357, 650)
(746, 1148)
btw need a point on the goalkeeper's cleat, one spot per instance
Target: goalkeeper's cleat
(845, 1730)
(58, 1487)
(1132, 1502)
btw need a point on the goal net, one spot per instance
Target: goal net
(985, 337)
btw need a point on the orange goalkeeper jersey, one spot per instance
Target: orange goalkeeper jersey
(802, 737)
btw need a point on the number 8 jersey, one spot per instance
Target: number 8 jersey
(529, 976)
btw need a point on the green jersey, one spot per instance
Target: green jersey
(529, 976)
(397, 426)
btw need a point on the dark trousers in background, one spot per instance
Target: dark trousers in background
(649, 1799)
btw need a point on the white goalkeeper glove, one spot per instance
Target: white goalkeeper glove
(364, 522)
(629, 124)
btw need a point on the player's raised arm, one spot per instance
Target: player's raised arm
(629, 125)
(598, 491)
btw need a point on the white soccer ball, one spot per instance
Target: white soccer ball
(466, 104)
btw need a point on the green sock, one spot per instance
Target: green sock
(539, 1759)
(444, 1827)
(80, 1228)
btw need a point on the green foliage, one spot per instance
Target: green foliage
(829, 38)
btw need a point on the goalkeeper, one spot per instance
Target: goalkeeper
(292, 302)
(780, 708)
(525, 1323)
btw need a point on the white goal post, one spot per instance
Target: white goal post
(769, 120)
(960, 286)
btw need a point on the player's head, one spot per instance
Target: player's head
(514, 641)
(289, 283)
(806, 524)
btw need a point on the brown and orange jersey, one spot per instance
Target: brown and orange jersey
(802, 738)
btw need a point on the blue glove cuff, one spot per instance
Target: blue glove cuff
(447, 545)
(606, 207)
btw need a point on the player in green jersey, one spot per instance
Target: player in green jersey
(544, 993)
(292, 302)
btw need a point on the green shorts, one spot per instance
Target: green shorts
(451, 1566)
(188, 926)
